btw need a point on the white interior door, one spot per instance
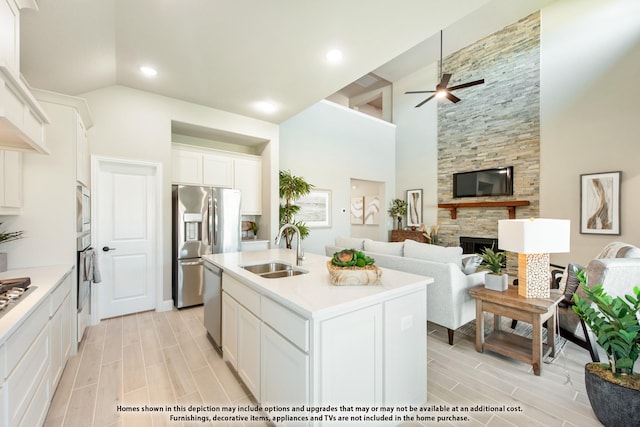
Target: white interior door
(126, 195)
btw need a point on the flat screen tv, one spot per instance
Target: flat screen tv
(487, 182)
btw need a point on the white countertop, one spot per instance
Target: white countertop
(312, 295)
(44, 279)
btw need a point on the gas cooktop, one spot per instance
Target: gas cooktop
(12, 291)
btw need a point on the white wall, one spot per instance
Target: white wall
(136, 125)
(328, 145)
(417, 140)
(590, 112)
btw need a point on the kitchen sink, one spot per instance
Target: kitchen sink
(274, 270)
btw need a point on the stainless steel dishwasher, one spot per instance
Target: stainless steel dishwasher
(212, 296)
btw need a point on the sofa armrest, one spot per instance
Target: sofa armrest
(618, 276)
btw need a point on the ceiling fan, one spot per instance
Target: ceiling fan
(442, 91)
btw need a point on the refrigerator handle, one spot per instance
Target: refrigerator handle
(207, 232)
(215, 223)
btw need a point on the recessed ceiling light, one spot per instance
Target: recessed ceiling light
(334, 56)
(265, 106)
(148, 71)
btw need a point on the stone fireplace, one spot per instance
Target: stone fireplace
(475, 245)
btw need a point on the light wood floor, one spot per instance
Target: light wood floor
(166, 359)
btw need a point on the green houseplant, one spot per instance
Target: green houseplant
(613, 389)
(398, 209)
(292, 188)
(493, 261)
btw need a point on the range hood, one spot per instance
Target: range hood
(22, 119)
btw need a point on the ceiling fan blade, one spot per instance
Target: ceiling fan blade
(451, 97)
(419, 91)
(423, 102)
(469, 84)
(444, 81)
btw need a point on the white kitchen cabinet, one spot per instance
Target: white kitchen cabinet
(10, 35)
(194, 166)
(254, 245)
(217, 171)
(249, 350)
(82, 153)
(230, 330)
(248, 179)
(285, 371)
(186, 167)
(10, 182)
(60, 330)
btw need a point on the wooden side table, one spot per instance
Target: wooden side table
(402, 235)
(531, 310)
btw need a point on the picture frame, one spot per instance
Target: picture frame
(372, 210)
(600, 203)
(414, 208)
(315, 209)
(356, 210)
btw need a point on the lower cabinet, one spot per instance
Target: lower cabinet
(249, 350)
(33, 358)
(230, 330)
(285, 371)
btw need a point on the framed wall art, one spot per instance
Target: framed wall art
(372, 210)
(414, 208)
(356, 210)
(315, 209)
(600, 203)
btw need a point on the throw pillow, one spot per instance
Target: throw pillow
(470, 263)
(571, 282)
(350, 242)
(387, 248)
(425, 251)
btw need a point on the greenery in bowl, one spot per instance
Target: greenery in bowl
(615, 323)
(492, 260)
(9, 236)
(351, 258)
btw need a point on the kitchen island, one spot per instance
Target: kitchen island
(317, 351)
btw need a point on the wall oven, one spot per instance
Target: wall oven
(83, 210)
(85, 257)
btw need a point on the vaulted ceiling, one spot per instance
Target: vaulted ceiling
(231, 54)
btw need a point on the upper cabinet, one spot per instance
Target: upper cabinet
(22, 120)
(10, 182)
(82, 153)
(213, 168)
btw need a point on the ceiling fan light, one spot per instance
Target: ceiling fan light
(441, 94)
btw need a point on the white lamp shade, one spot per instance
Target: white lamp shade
(535, 235)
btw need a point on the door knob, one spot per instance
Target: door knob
(107, 249)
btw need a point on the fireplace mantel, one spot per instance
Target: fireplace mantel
(509, 204)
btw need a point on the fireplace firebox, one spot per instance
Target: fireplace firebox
(475, 245)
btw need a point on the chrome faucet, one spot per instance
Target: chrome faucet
(299, 250)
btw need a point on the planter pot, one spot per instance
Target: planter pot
(496, 282)
(613, 404)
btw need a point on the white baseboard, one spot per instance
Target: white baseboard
(166, 305)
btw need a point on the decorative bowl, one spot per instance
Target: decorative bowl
(369, 275)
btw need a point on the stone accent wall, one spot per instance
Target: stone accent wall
(495, 124)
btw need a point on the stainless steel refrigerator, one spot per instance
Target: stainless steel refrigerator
(205, 220)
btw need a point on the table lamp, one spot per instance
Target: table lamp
(534, 239)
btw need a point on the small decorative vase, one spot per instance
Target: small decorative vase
(399, 223)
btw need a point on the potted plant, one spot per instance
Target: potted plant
(292, 188)
(397, 210)
(6, 237)
(613, 389)
(254, 229)
(495, 279)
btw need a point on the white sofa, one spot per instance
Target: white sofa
(448, 300)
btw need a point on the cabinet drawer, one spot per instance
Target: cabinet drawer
(3, 364)
(59, 294)
(19, 342)
(249, 298)
(23, 382)
(287, 323)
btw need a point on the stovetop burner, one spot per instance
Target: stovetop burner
(12, 291)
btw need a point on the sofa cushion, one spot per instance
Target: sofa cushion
(470, 263)
(425, 251)
(569, 283)
(351, 242)
(619, 250)
(389, 248)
